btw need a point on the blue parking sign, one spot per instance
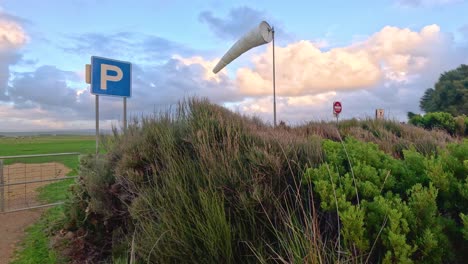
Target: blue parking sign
(111, 77)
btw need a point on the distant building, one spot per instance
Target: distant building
(379, 114)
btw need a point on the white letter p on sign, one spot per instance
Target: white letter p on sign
(113, 78)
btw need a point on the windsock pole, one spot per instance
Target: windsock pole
(274, 81)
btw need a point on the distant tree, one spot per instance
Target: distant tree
(410, 115)
(427, 101)
(450, 93)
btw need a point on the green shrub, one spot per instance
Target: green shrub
(441, 120)
(403, 207)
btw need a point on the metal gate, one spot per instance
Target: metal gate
(35, 181)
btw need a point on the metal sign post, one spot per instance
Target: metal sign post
(109, 77)
(2, 190)
(88, 81)
(337, 108)
(274, 77)
(125, 113)
(97, 124)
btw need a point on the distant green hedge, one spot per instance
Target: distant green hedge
(441, 120)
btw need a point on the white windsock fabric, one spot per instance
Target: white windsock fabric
(260, 35)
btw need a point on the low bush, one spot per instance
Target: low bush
(441, 120)
(398, 211)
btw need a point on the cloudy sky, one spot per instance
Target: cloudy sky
(367, 54)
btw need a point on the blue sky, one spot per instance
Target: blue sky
(368, 54)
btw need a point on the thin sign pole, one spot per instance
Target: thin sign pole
(274, 81)
(97, 124)
(125, 113)
(2, 190)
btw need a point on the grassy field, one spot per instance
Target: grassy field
(45, 144)
(35, 246)
(11, 146)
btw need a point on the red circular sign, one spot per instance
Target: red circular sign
(337, 107)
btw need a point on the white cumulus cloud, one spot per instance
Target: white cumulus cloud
(303, 69)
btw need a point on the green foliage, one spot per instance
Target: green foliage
(36, 247)
(411, 115)
(441, 120)
(352, 228)
(404, 207)
(464, 219)
(450, 93)
(91, 207)
(55, 192)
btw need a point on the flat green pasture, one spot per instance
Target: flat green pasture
(10, 146)
(13, 146)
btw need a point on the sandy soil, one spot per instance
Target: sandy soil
(20, 196)
(12, 230)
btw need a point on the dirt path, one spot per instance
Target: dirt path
(13, 225)
(12, 230)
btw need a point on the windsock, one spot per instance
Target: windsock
(260, 35)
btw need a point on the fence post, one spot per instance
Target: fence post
(2, 191)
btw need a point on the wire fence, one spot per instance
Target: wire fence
(26, 183)
(33, 181)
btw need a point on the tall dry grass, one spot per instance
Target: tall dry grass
(391, 136)
(200, 184)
